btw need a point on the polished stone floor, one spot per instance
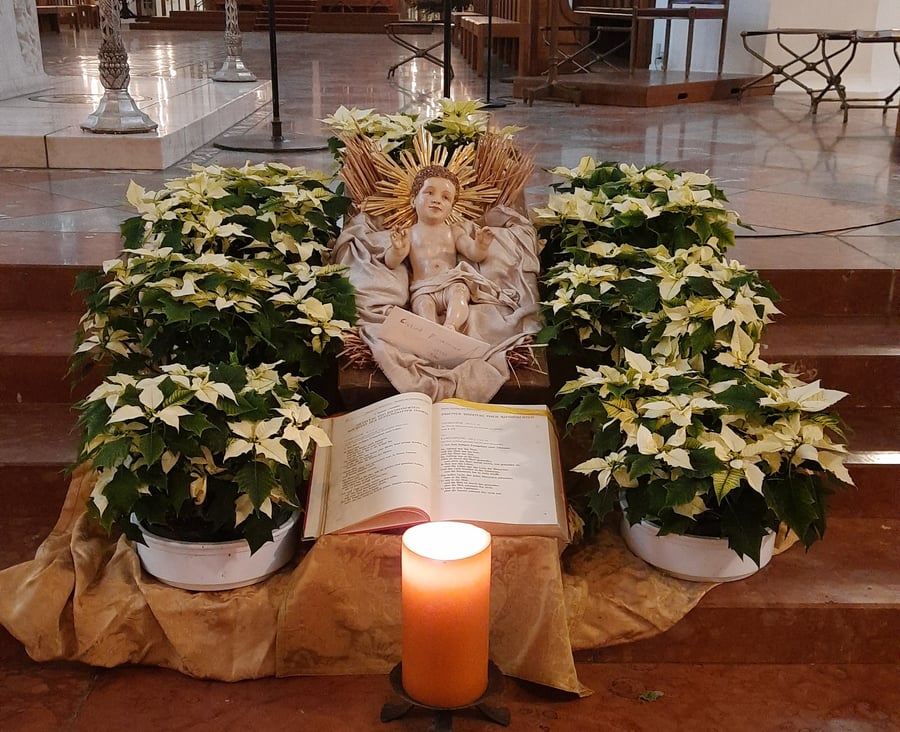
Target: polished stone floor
(784, 171)
(818, 194)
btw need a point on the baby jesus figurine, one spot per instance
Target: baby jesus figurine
(440, 285)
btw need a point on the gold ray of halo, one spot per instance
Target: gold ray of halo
(492, 173)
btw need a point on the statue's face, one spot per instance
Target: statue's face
(434, 201)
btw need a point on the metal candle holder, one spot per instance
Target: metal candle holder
(117, 112)
(443, 716)
(233, 68)
(276, 142)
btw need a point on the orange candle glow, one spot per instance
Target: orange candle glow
(446, 597)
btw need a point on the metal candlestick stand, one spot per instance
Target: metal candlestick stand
(277, 141)
(116, 113)
(488, 103)
(448, 24)
(233, 69)
(443, 716)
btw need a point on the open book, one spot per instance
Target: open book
(404, 460)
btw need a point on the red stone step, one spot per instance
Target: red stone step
(38, 268)
(837, 603)
(35, 353)
(835, 292)
(195, 20)
(859, 355)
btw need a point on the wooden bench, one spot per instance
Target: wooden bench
(54, 15)
(89, 14)
(506, 31)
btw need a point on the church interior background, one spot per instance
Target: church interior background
(808, 643)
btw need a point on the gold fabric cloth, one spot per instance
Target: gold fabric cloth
(334, 610)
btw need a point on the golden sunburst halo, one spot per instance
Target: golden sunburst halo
(489, 174)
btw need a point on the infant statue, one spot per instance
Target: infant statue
(439, 286)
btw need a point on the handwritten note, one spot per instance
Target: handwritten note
(431, 341)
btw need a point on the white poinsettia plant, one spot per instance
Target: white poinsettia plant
(225, 448)
(456, 123)
(688, 425)
(213, 330)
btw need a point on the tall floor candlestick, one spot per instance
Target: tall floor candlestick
(116, 113)
(233, 68)
(276, 142)
(445, 594)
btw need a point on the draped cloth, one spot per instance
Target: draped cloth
(504, 311)
(334, 610)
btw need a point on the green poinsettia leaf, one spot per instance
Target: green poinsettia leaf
(112, 453)
(702, 286)
(588, 409)
(257, 480)
(177, 312)
(725, 481)
(799, 501)
(684, 489)
(702, 339)
(601, 502)
(744, 528)
(172, 237)
(121, 493)
(607, 440)
(641, 465)
(133, 232)
(257, 531)
(196, 423)
(643, 295)
(741, 398)
(177, 396)
(704, 462)
(152, 445)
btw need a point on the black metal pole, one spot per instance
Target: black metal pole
(448, 24)
(488, 104)
(298, 142)
(273, 63)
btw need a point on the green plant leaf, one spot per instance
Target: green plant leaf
(152, 445)
(641, 465)
(112, 453)
(643, 295)
(257, 530)
(588, 409)
(121, 492)
(740, 398)
(798, 500)
(195, 423)
(743, 527)
(257, 480)
(725, 481)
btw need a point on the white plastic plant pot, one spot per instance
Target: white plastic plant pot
(211, 566)
(695, 558)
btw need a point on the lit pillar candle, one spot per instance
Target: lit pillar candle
(446, 595)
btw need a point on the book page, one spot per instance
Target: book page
(496, 465)
(380, 460)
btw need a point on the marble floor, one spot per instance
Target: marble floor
(818, 195)
(784, 171)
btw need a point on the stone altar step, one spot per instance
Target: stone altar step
(836, 603)
(858, 355)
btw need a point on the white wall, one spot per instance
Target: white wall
(20, 49)
(874, 71)
(743, 14)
